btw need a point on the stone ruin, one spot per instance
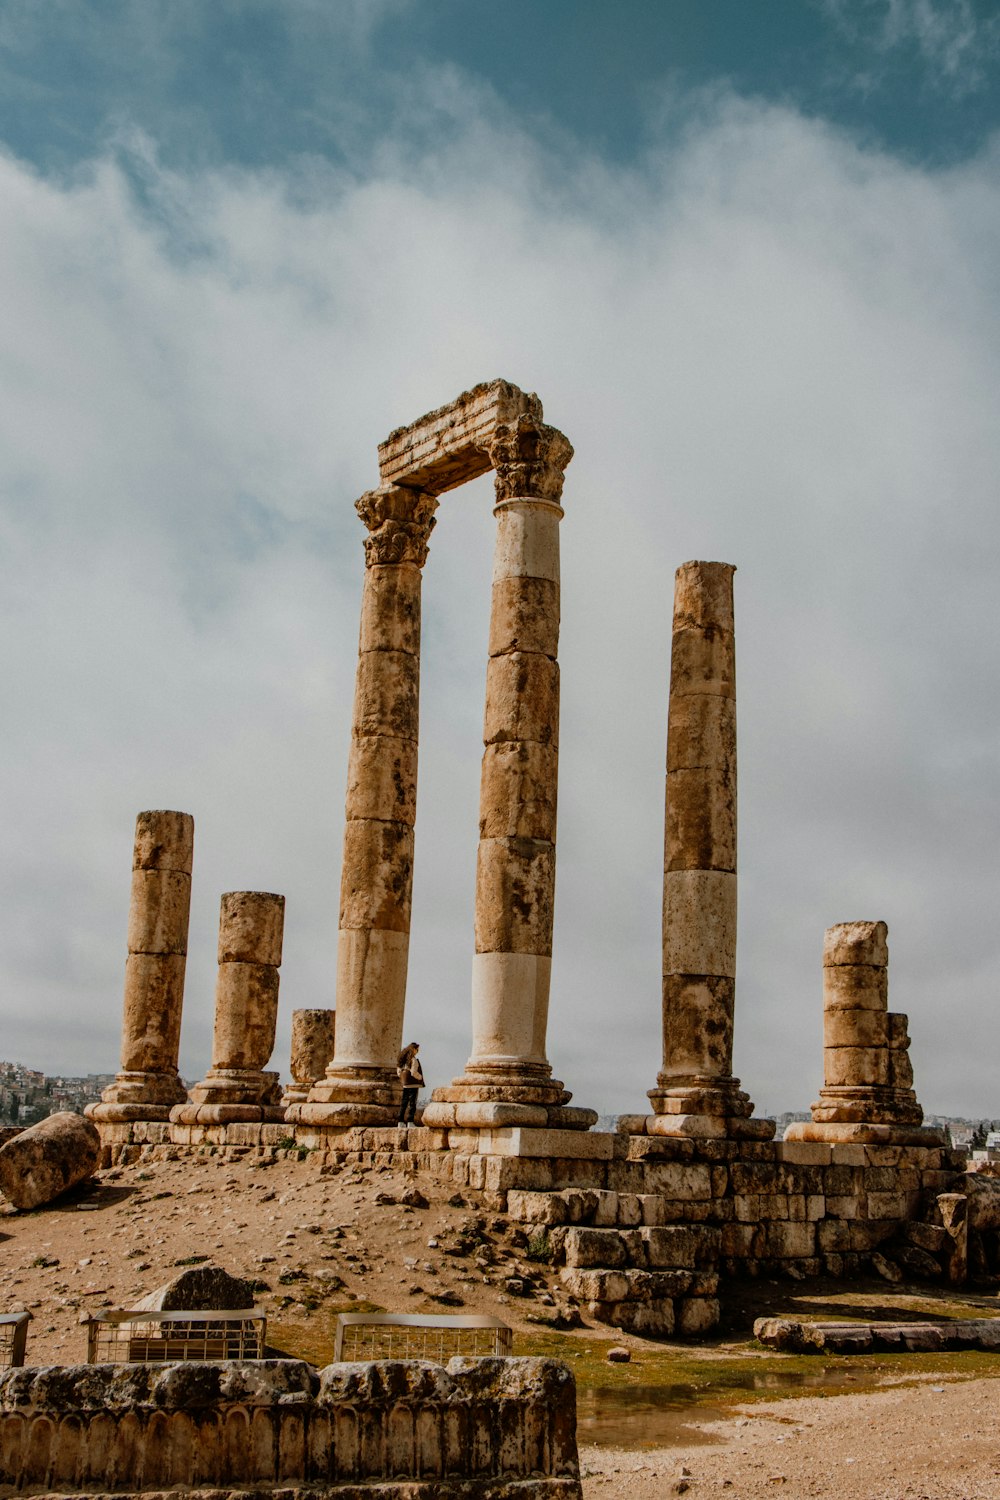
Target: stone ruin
(643, 1220)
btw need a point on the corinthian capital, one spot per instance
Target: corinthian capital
(400, 521)
(528, 459)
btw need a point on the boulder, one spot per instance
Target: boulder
(46, 1159)
(199, 1289)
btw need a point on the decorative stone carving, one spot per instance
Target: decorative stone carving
(529, 460)
(400, 521)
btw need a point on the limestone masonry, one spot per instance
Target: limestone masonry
(643, 1221)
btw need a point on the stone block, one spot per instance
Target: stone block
(804, 1153)
(567, 1145)
(846, 1206)
(386, 695)
(382, 779)
(854, 1067)
(158, 911)
(595, 1286)
(163, 841)
(900, 1070)
(581, 1205)
(606, 1209)
(515, 889)
(536, 1208)
(788, 1240)
(518, 791)
(698, 1023)
(702, 732)
(46, 1159)
(930, 1237)
(680, 1246)
(696, 1315)
(855, 1028)
(702, 663)
(390, 611)
(747, 1207)
(699, 933)
(630, 1210)
(847, 1154)
(701, 819)
(815, 1207)
(868, 1234)
(522, 699)
(740, 1240)
(894, 1205)
(679, 1180)
(597, 1248)
(251, 925)
(524, 615)
(654, 1320)
(855, 987)
(377, 876)
(856, 943)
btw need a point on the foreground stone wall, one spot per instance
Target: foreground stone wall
(484, 1428)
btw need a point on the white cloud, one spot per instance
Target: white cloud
(766, 346)
(955, 42)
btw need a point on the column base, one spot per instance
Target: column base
(863, 1104)
(491, 1095)
(236, 1086)
(227, 1114)
(295, 1093)
(347, 1098)
(705, 1107)
(871, 1133)
(136, 1095)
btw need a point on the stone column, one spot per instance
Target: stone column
(313, 1035)
(360, 1085)
(696, 1093)
(867, 1093)
(508, 1079)
(236, 1088)
(148, 1083)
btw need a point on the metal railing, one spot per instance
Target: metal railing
(118, 1335)
(13, 1337)
(363, 1336)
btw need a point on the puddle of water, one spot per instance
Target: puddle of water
(667, 1416)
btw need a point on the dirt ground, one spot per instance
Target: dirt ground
(935, 1441)
(317, 1244)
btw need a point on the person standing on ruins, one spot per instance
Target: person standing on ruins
(411, 1076)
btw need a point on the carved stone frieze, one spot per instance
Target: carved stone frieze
(400, 521)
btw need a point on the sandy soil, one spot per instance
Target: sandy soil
(936, 1441)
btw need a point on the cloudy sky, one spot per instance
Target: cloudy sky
(746, 251)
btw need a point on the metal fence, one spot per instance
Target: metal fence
(118, 1335)
(362, 1336)
(13, 1337)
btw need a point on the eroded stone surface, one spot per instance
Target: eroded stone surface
(44, 1160)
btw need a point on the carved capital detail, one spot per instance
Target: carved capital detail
(400, 521)
(528, 459)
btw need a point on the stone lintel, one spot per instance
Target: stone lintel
(449, 446)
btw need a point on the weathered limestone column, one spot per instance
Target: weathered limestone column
(868, 1081)
(148, 1083)
(508, 1079)
(696, 1093)
(313, 1037)
(236, 1088)
(360, 1085)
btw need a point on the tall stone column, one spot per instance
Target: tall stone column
(148, 1083)
(696, 1093)
(313, 1037)
(508, 1079)
(236, 1087)
(867, 1093)
(360, 1085)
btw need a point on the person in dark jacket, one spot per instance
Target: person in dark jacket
(411, 1076)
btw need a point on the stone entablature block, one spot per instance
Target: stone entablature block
(449, 446)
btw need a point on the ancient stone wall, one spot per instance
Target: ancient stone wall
(483, 1428)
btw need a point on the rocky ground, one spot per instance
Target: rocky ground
(316, 1244)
